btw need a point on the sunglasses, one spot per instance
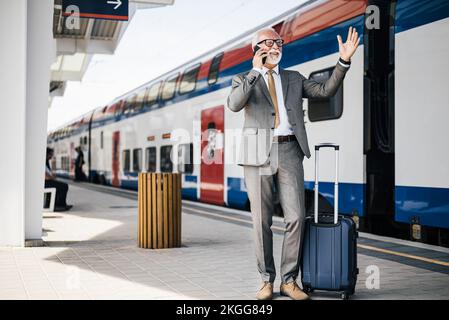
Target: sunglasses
(270, 42)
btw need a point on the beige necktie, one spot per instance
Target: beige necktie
(272, 90)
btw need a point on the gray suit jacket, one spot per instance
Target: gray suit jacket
(249, 91)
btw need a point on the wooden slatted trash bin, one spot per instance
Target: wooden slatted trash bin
(159, 205)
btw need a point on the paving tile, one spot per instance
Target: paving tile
(92, 254)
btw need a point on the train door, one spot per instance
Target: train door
(379, 146)
(115, 158)
(212, 155)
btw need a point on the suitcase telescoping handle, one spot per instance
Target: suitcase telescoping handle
(317, 148)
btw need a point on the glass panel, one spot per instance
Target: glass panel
(169, 88)
(188, 81)
(325, 108)
(151, 159)
(129, 104)
(166, 162)
(126, 161)
(153, 93)
(139, 99)
(214, 69)
(185, 158)
(137, 160)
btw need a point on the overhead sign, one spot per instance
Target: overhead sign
(96, 9)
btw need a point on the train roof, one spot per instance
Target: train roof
(210, 53)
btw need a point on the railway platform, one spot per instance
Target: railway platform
(91, 252)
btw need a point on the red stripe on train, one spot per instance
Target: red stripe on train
(308, 20)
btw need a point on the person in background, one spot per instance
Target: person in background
(79, 162)
(61, 187)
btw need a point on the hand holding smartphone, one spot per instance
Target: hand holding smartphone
(264, 59)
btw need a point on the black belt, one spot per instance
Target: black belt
(281, 139)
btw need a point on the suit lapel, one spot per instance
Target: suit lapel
(284, 81)
(264, 88)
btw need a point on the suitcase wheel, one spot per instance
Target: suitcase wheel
(345, 295)
(307, 289)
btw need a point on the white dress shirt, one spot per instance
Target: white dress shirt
(284, 128)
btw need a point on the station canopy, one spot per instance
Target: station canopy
(75, 47)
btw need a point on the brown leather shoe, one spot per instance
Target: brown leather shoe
(266, 292)
(292, 290)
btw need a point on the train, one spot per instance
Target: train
(389, 118)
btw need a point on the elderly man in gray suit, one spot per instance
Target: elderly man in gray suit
(273, 146)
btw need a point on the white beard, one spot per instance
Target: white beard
(274, 61)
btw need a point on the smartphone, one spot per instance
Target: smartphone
(256, 48)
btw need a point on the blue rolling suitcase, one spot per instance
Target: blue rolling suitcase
(329, 252)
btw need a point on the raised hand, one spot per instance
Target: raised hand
(348, 48)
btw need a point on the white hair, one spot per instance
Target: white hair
(255, 39)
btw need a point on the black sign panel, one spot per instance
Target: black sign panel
(97, 9)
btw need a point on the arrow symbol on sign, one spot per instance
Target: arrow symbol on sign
(117, 2)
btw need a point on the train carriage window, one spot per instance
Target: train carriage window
(214, 69)
(185, 158)
(133, 104)
(153, 93)
(53, 164)
(166, 161)
(138, 105)
(137, 160)
(118, 108)
(114, 110)
(65, 163)
(168, 91)
(126, 161)
(188, 81)
(129, 104)
(325, 108)
(151, 159)
(101, 139)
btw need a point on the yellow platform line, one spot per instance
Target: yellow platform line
(405, 255)
(363, 246)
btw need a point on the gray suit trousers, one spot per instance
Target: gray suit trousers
(282, 176)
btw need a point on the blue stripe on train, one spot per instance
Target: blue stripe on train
(350, 195)
(128, 184)
(431, 205)
(409, 14)
(312, 47)
(190, 191)
(237, 196)
(186, 192)
(414, 13)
